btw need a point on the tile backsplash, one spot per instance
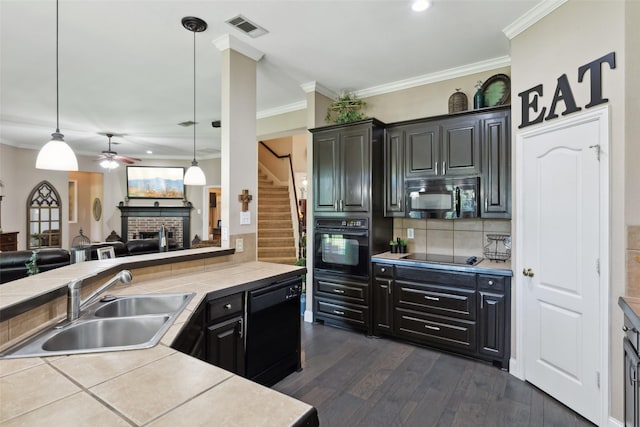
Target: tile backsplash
(464, 237)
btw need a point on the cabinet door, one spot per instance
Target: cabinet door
(631, 388)
(491, 324)
(382, 306)
(460, 146)
(225, 347)
(422, 150)
(496, 176)
(394, 173)
(354, 170)
(326, 164)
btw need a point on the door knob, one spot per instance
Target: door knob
(527, 272)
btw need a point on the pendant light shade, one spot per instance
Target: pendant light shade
(56, 154)
(194, 175)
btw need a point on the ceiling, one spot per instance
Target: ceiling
(126, 66)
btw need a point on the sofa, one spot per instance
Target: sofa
(12, 263)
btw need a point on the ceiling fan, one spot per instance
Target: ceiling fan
(109, 159)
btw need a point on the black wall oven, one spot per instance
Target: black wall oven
(342, 245)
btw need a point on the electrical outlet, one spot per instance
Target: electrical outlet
(239, 245)
(409, 233)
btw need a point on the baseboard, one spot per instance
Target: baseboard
(308, 316)
(515, 369)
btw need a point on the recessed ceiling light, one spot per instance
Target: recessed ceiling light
(420, 5)
(149, 152)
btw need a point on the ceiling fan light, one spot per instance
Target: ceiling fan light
(56, 155)
(194, 175)
(109, 164)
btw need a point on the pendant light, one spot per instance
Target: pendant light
(56, 154)
(194, 175)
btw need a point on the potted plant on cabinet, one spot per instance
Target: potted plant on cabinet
(346, 109)
(393, 246)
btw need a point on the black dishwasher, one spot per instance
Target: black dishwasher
(273, 332)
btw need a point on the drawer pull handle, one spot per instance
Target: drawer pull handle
(433, 328)
(341, 313)
(227, 306)
(625, 328)
(431, 298)
(490, 283)
(338, 291)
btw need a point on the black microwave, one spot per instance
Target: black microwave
(443, 198)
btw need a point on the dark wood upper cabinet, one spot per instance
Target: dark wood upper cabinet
(343, 156)
(472, 144)
(422, 148)
(394, 173)
(460, 146)
(496, 168)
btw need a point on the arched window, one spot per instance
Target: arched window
(44, 217)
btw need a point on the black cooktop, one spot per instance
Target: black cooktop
(444, 259)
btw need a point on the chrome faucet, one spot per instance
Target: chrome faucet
(75, 306)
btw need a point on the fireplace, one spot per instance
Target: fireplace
(142, 221)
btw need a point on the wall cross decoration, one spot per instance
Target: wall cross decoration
(245, 198)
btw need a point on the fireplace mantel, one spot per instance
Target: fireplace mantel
(183, 212)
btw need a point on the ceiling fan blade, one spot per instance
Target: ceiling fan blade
(127, 159)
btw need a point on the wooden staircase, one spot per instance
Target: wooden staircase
(275, 228)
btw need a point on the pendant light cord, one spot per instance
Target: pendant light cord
(57, 78)
(194, 96)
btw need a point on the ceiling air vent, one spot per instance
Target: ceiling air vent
(250, 28)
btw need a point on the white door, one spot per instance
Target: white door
(560, 245)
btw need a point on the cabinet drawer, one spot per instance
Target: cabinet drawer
(222, 307)
(383, 270)
(436, 277)
(347, 290)
(446, 332)
(459, 303)
(491, 283)
(352, 313)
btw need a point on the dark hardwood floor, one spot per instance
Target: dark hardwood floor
(354, 380)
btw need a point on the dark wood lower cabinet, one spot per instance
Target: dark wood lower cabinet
(462, 312)
(225, 346)
(341, 301)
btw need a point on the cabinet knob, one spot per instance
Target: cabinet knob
(227, 306)
(490, 282)
(527, 272)
(383, 269)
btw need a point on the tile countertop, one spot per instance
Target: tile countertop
(158, 386)
(485, 266)
(631, 308)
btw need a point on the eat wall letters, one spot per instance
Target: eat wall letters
(529, 98)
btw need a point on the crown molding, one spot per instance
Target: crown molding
(477, 67)
(314, 86)
(270, 112)
(534, 15)
(227, 41)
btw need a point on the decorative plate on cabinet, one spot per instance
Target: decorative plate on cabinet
(496, 90)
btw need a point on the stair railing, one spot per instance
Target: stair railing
(295, 193)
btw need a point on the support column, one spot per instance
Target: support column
(318, 100)
(239, 165)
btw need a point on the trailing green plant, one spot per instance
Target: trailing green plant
(32, 264)
(347, 108)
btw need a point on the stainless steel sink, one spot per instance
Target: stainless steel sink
(137, 305)
(106, 334)
(126, 323)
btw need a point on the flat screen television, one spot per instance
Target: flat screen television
(155, 182)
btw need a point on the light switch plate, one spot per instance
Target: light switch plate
(409, 233)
